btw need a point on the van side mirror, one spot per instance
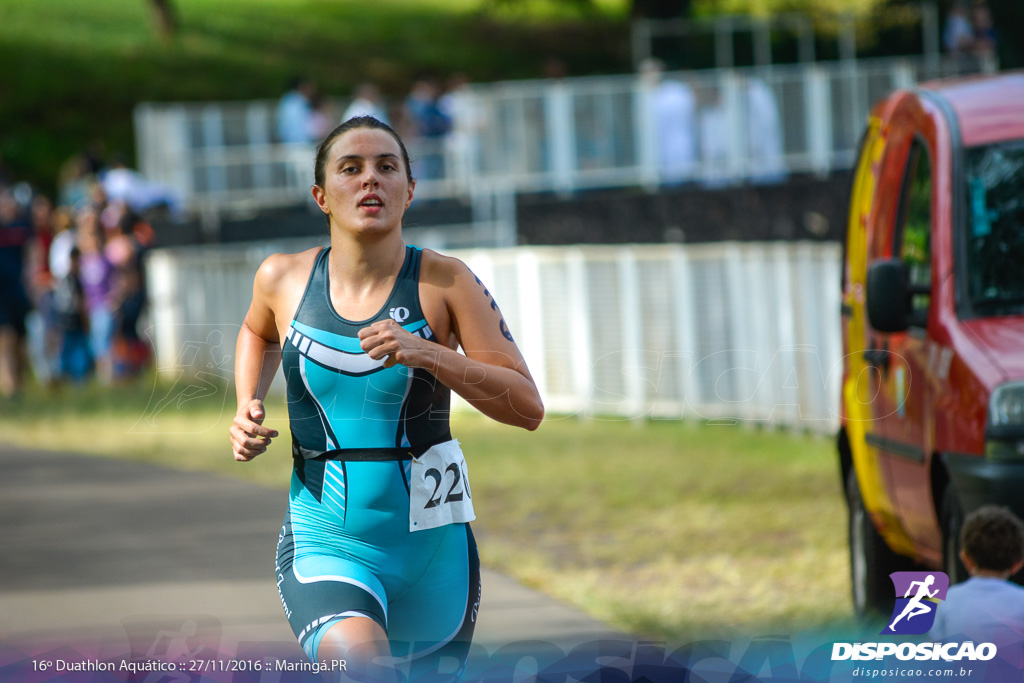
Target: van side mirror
(888, 296)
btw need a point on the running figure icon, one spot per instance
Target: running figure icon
(916, 607)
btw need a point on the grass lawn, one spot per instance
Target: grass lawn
(666, 529)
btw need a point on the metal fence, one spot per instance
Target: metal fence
(730, 332)
(562, 135)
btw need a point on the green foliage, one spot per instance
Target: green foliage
(814, 8)
(74, 70)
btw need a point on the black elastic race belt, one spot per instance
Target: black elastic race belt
(364, 454)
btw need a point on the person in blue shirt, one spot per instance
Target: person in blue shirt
(376, 561)
(295, 112)
(988, 608)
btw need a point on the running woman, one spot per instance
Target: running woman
(376, 561)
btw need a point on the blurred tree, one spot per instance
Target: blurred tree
(588, 4)
(813, 8)
(660, 9)
(650, 9)
(164, 17)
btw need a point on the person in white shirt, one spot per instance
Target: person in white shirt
(367, 102)
(673, 111)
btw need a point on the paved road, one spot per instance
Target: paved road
(103, 556)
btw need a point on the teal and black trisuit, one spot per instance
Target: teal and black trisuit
(345, 548)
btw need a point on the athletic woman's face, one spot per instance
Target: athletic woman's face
(365, 184)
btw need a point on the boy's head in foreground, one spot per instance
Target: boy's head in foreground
(992, 542)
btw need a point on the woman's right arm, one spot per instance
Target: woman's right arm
(257, 356)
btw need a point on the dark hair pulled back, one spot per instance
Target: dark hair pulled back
(354, 123)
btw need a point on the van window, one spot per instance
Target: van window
(913, 234)
(995, 228)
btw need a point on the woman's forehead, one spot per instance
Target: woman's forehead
(365, 142)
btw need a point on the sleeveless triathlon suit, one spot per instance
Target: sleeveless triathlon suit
(345, 548)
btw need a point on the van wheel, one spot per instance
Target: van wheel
(952, 522)
(871, 560)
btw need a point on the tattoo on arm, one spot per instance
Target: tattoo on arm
(504, 330)
(494, 307)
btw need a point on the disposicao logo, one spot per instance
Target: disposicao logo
(917, 596)
(917, 600)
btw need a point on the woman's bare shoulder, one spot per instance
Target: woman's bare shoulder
(280, 271)
(442, 271)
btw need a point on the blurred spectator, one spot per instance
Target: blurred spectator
(323, 117)
(98, 278)
(14, 301)
(79, 174)
(111, 214)
(72, 322)
(74, 182)
(124, 253)
(764, 134)
(556, 125)
(122, 184)
(429, 127)
(461, 108)
(985, 38)
(97, 197)
(714, 139)
(367, 102)
(958, 33)
(42, 219)
(93, 157)
(456, 87)
(294, 112)
(673, 111)
(144, 233)
(43, 339)
(91, 255)
(65, 238)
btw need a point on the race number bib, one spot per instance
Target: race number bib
(439, 488)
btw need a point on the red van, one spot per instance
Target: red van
(932, 422)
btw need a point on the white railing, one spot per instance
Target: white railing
(727, 332)
(562, 135)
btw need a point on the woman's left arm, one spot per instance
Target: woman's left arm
(492, 375)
